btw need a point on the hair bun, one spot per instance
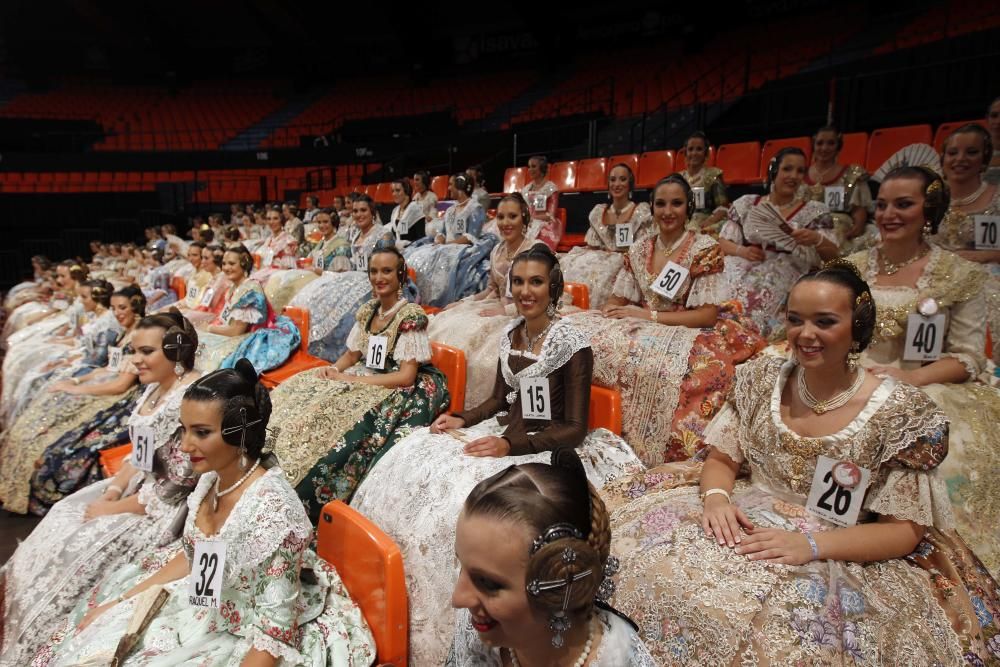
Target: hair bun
(246, 371)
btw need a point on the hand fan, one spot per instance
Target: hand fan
(914, 155)
(765, 225)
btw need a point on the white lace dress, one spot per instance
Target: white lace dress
(265, 603)
(619, 646)
(65, 556)
(438, 477)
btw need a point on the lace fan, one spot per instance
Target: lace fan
(914, 155)
(765, 225)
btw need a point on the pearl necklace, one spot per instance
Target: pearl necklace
(580, 662)
(965, 201)
(889, 268)
(219, 494)
(834, 402)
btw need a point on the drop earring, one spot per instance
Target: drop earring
(926, 230)
(179, 369)
(853, 357)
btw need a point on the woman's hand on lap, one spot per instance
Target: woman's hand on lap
(445, 422)
(489, 445)
(724, 521)
(776, 546)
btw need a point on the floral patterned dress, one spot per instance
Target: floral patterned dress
(269, 342)
(329, 433)
(65, 556)
(699, 603)
(597, 264)
(672, 379)
(438, 477)
(762, 287)
(973, 407)
(277, 252)
(266, 601)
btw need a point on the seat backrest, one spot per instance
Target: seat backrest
(605, 409)
(371, 567)
(383, 193)
(113, 458)
(179, 286)
(653, 166)
(944, 129)
(563, 174)
(740, 163)
(439, 186)
(631, 160)
(680, 161)
(772, 147)
(580, 294)
(300, 317)
(887, 140)
(855, 148)
(514, 178)
(591, 175)
(451, 361)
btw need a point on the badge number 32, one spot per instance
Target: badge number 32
(207, 567)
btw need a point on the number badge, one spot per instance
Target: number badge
(207, 567)
(670, 280)
(115, 357)
(987, 234)
(206, 298)
(924, 337)
(838, 490)
(699, 197)
(623, 235)
(143, 448)
(377, 346)
(834, 196)
(535, 398)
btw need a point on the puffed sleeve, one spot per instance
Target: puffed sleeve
(708, 283)
(274, 600)
(906, 484)
(723, 432)
(732, 230)
(625, 286)
(250, 308)
(356, 338)
(412, 344)
(966, 338)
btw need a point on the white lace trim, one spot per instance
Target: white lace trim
(248, 315)
(626, 287)
(562, 342)
(413, 346)
(356, 338)
(709, 289)
(279, 649)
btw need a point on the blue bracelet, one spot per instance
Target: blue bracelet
(812, 545)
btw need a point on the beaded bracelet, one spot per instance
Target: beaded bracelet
(812, 545)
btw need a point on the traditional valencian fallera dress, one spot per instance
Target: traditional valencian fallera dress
(268, 601)
(438, 477)
(844, 191)
(544, 198)
(330, 433)
(971, 469)
(701, 603)
(597, 264)
(710, 180)
(672, 378)
(65, 556)
(762, 287)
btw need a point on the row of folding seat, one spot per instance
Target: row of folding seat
(742, 163)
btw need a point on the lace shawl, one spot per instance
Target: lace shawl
(562, 342)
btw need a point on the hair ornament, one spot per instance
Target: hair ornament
(556, 531)
(843, 263)
(606, 589)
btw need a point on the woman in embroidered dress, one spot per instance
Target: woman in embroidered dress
(529, 524)
(198, 278)
(112, 523)
(279, 251)
(454, 263)
(408, 219)
(711, 200)
(466, 324)
(672, 357)
(335, 422)
(333, 299)
(277, 602)
(247, 326)
(967, 152)
(424, 197)
(211, 286)
(155, 281)
(332, 252)
(843, 188)
(910, 278)
(838, 546)
(771, 241)
(440, 465)
(614, 227)
(542, 196)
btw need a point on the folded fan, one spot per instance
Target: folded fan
(914, 155)
(766, 226)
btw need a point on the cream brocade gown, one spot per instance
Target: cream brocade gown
(700, 603)
(972, 469)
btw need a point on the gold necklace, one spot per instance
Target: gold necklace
(836, 401)
(890, 268)
(675, 246)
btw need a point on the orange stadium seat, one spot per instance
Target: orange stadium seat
(451, 361)
(631, 160)
(653, 166)
(179, 287)
(514, 179)
(563, 174)
(944, 129)
(383, 193)
(605, 409)
(772, 147)
(885, 141)
(300, 360)
(113, 458)
(580, 294)
(371, 567)
(855, 149)
(439, 186)
(591, 175)
(740, 163)
(681, 161)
